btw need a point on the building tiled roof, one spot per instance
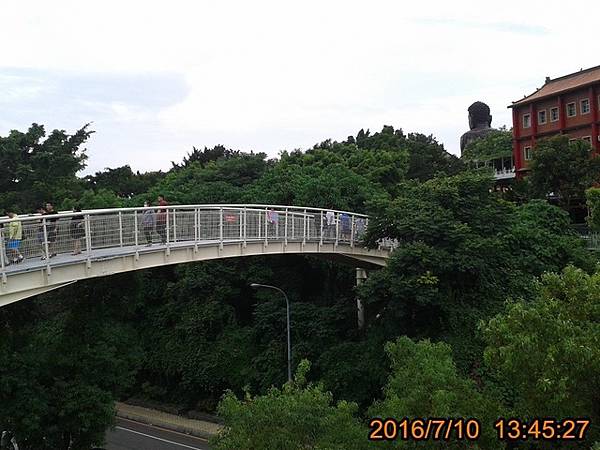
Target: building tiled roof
(562, 84)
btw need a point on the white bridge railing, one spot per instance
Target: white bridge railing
(44, 237)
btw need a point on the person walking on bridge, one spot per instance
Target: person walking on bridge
(15, 236)
(161, 219)
(51, 228)
(77, 231)
(148, 223)
(330, 223)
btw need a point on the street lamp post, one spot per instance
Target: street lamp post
(289, 339)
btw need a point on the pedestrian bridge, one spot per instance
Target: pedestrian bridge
(120, 240)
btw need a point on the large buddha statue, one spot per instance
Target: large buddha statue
(480, 121)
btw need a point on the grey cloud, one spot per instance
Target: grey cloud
(44, 88)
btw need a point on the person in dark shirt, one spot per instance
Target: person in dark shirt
(51, 228)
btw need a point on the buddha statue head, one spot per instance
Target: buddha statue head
(480, 121)
(479, 116)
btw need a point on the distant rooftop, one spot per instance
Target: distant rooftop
(562, 84)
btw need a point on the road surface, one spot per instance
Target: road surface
(130, 435)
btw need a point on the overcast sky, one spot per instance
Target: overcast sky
(157, 78)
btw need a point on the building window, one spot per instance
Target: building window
(571, 109)
(585, 106)
(526, 120)
(527, 151)
(542, 117)
(587, 139)
(553, 114)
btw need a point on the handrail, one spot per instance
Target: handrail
(250, 206)
(97, 231)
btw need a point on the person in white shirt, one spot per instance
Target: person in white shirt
(330, 223)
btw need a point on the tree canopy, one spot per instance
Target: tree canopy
(497, 144)
(563, 168)
(38, 168)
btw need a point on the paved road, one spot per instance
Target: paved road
(130, 435)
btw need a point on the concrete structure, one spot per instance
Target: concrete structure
(114, 241)
(200, 428)
(565, 105)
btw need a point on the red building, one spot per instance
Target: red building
(567, 105)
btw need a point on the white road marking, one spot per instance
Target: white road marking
(157, 438)
(166, 430)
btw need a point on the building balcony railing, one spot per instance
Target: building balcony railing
(504, 174)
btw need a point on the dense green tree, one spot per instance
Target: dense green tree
(428, 158)
(36, 168)
(89, 199)
(548, 349)
(123, 181)
(592, 196)
(223, 180)
(202, 157)
(379, 158)
(206, 330)
(416, 155)
(194, 348)
(497, 144)
(62, 369)
(298, 416)
(461, 252)
(354, 369)
(299, 180)
(424, 383)
(564, 168)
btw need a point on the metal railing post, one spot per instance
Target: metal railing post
(174, 225)
(245, 234)
(266, 226)
(46, 250)
(221, 228)
(88, 239)
(285, 238)
(304, 229)
(337, 228)
(168, 228)
(135, 229)
(321, 237)
(293, 230)
(196, 226)
(199, 224)
(352, 232)
(241, 222)
(120, 229)
(2, 256)
(259, 224)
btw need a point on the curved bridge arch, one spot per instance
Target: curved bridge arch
(124, 239)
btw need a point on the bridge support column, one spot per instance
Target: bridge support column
(361, 276)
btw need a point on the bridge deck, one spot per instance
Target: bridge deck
(63, 259)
